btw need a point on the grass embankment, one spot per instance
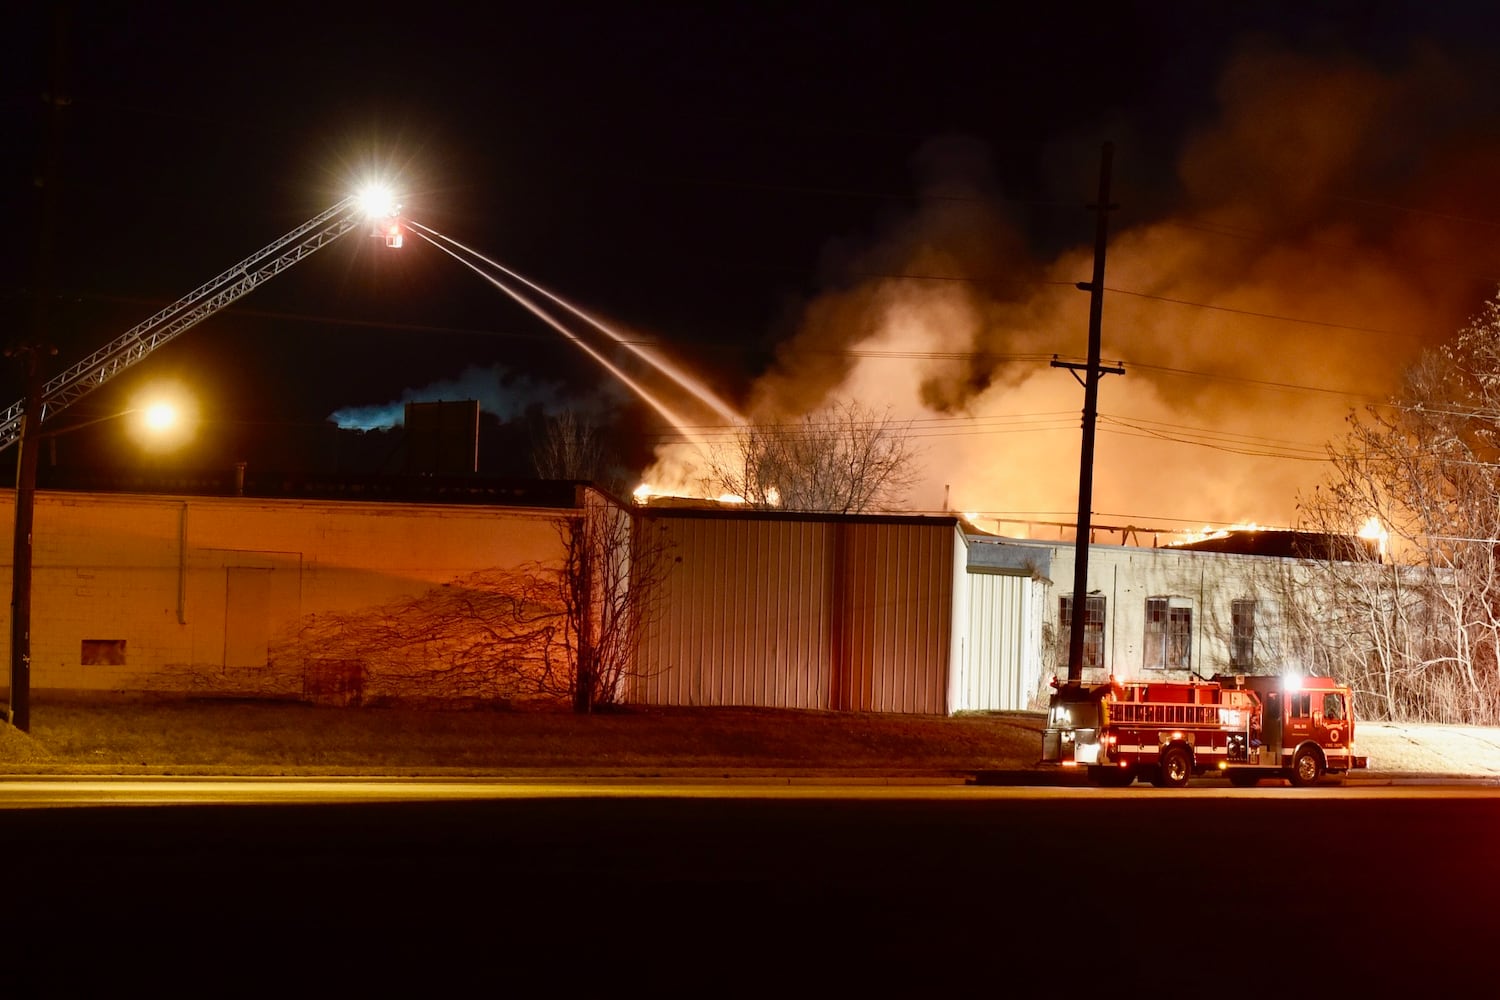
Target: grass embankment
(279, 737)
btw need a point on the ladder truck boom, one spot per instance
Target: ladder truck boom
(136, 343)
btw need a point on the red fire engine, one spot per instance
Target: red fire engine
(1245, 727)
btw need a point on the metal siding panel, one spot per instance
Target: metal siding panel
(1011, 660)
(956, 697)
(924, 589)
(888, 624)
(740, 589)
(936, 603)
(686, 639)
(669, 636)
(868, 634)
(897, 563)
(807, 615)
(868, 629)
(732, 588)
(756, 676)
(1032, 651)
(932, 637)
(769, 612)
(840, 675)
(818, 595)
(801, 615)
(892, 561)
(974, 660)
(899, 585)
(1000, 632)
(999, 613)
(981, 606)
(758, 683)
(744, 621)
(663, 642)
(878, 623)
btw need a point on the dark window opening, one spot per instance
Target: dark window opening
(1169, 633)
(1093, 630)
(103, 653)
(1242, 644)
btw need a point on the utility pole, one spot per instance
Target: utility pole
(1090, 381)
(48, 180)
(20, 581)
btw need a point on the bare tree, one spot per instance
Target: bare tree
(610, 587)
(563, 631)
(1423, 621)
(844, 458)
(573, 446)
(488, 636)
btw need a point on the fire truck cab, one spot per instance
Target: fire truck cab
(1244, 727)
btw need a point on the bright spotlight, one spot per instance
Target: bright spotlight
(377, 201)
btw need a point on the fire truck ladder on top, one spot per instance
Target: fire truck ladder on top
(135, 344)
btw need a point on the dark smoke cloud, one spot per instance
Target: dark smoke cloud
(1322, 234)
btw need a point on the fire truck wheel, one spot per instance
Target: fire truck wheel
(1307, 767)
(1176, 767)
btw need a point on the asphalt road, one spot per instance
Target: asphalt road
(94, 792)
(739, 888)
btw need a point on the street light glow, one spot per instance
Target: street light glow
(160, 416)
(164, 415)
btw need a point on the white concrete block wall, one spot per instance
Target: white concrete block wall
(1206, 582)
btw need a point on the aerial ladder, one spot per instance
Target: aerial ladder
(20, 421)
(131, 347)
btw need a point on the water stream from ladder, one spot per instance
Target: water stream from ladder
(487, 269)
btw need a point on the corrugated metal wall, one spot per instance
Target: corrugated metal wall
(816, 613)
(1003, 661)
(896, 616)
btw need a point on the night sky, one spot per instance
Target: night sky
(793, 202)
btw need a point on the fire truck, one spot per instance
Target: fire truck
(1243, 727)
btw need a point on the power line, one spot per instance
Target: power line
(1241, 380)
(1028, 423)
(1426, 213)
(1233, 444)
(1263, 315)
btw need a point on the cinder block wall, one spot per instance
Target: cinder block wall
(162, 593)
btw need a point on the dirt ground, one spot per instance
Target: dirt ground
(211, 737)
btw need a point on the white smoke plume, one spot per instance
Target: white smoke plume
(1323, 234)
